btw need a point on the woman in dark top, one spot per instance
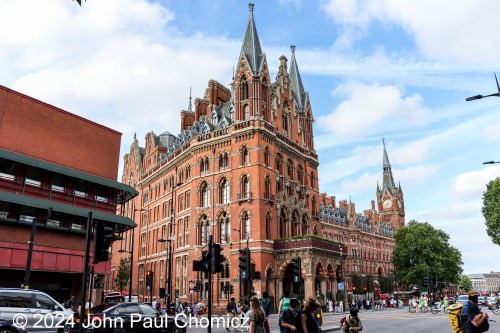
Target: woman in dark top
(309, 323)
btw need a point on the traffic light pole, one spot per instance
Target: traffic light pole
(209, 328)
(86, 269)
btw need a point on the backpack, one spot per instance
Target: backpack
(343, 321)
(457, 319)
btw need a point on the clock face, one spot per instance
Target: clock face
(387, 204)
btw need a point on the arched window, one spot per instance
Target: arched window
(179, 234)
(313, 208)
(245, 188)
(224, 229)
(300, 174)
(313, 178)
(204, 195)
(245, 157)
(223, 162)
(244, 86)
(267, 157)
(268, 226)
(247, 112)
(245, 221)
(204, 231)
(188, 173)
(279, 164)
(305, 226)
(224, 191)
(267, 188)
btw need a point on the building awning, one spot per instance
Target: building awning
(129, 191)
(123, 223)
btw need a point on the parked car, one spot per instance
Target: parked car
(463, 299)
(131, 317)
(34, 305)
(481, 300)
(7, 326)
(451, 300)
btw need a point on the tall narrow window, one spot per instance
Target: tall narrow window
(267, 188)
(245, 157)
(246, 226)
(224, 192)
(204, 195)
(268, 226)
(267, 157)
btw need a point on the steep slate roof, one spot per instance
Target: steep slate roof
(251, 45)
(296, 82)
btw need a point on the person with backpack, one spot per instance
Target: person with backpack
(266, 303)
(232, 311)
(290, 322)
(477, 321)
(351, 323)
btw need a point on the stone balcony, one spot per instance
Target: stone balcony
(310, 242)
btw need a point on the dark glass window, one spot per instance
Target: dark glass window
(80, 188)
(101, 193)
(7, 169)
(33, 176)
(15, 300)
(58, 182)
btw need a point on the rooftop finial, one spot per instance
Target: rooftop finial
(250, 6)
(135, 136)
(292, 47)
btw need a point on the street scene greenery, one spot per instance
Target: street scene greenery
(121, 279)
(422, 251)
(491, 210)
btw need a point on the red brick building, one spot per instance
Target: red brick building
(244, 164)
(52, 159)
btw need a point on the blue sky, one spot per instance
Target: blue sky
(373, 68)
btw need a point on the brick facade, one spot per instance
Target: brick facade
(246, 162)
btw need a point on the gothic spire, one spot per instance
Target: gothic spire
(388, 180)
(251, 45)
(296, 81)
(190, 106)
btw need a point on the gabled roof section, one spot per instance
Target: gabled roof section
(296, 82)
(388, 180)
(251, 45)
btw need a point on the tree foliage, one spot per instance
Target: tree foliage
(421, 250)
(465, 283)
(491, 210)
(121, 279)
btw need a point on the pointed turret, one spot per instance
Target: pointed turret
(251, 45)
(190, 106)
(388, 180)
(296, 82)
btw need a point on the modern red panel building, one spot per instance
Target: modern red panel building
(54, 160)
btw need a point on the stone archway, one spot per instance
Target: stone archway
(287, 281)
(380, 272)
(319, 279)
(330, 281)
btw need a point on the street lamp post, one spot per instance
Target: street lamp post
(170, 240)
(497, 94)
(239, 248)
(344, 276)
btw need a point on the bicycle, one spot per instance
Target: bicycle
(413, 308)
(438, 306)
(495, 309)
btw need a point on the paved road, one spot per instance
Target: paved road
(387, 321)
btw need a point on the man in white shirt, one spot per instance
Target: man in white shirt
(153, 304)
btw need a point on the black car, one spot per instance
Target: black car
(131, 317)
(7, 326)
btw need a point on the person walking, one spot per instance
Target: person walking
(330, 306)
(307, 318)
(284, 303)
(266, 303)
(352, 322)
(232, 311)
(290, 322)
(256, 316)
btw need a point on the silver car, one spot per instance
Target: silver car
(35, 309)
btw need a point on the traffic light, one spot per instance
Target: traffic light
(253, 274)
(97, 283)
(104, 236)
(296, 269)
(149, 280)
(231, 289)
(206, 260)
(354, 289)
(425, 281)
(216, 258)
(244, 263)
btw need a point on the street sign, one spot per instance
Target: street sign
(340, 286)
(192, 285)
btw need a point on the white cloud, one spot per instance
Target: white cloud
(462, 32)
(471, 185)
(368, 108)
(363, 183)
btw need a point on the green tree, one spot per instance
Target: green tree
(465, 283)
(121, 279)
(491, 210)
(421, 250)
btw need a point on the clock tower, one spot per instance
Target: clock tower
(390, 197)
